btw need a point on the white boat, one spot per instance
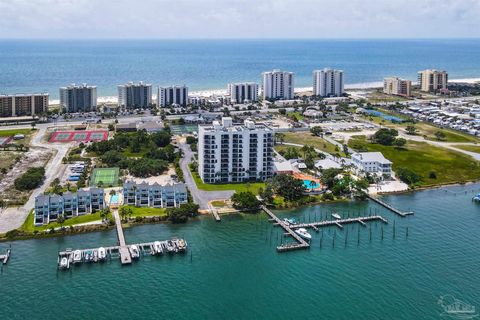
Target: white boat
(102, 253)
(95, 255)
(134, 252)
(181, 244)
(88, 256)
(336, 216)
(170, 246)
(64, 263)
(290, 222)
(77, 256)
(157, 247)
(302, 232)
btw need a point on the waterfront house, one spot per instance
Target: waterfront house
(372, 162)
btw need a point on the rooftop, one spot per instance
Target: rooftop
(371, 157)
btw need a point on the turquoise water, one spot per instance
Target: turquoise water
(384, 116)
(308, 184)
(232, 270)
(45, 65)
(114, 199)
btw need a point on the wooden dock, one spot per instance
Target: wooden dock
(123, 251)
(301, 244)
(339, 222)
(146, 248)
(390, 207)
(214, 212)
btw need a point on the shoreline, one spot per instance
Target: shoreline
(220, 92)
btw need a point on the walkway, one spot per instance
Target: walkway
(125, 257)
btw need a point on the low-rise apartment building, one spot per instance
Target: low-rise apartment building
(154, 195)
(372, 163)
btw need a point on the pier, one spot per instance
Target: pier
(339, 222)
(390, 207)
(301, 243)
(125, 252)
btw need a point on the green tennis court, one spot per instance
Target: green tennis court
(105, 177)
(186, 128)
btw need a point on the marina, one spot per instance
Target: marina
(299, 233)
(126, 253)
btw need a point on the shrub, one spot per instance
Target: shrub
(31, 179)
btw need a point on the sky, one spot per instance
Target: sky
(239, 19)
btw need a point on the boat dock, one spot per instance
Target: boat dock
(339, 222)
(301, 244)
(4, 257)
(125, 252)
(389, 207)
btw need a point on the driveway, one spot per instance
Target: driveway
(200, 197)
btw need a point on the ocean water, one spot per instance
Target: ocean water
(45, 65)
(232, 270)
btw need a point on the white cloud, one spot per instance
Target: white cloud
(238, 18)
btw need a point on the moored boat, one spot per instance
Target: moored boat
(170, 246)
(102, 253)
(336, 216)
(64, 263)
(181, 244)
(302, 232)
(134, 252)
(77, 256)
(290, 221)
(157, 247)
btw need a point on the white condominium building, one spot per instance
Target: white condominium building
(133, 95)
(432, 80)
(245, 92)
(397, 86)
(278, 85)
(78, 98)
(328, 83)
(17, 105)
(174, 95)
(230, 152)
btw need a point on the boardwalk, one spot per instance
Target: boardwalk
(389, 207)
(123, 251)
(301, 244)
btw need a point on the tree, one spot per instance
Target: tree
(399, 142)
(385, 136)
(182, 213)
(408, 176)
(280, 137)
(316, 131)
(291, 153)
(411, 130)
(288, 187)
(440, 135)
(33, 124)
(245, 201)
(282, 111)
(31, 179)
(124, 212)
(266, 194)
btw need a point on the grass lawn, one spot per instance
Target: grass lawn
(307, 138)
(422, 158)
(475, 149)
(147, 212)
(283, 147)
(12, 132)
(218, 203)
(237, 187)
(29, 227)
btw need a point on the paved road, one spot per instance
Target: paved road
(13, 218)
(200, 197)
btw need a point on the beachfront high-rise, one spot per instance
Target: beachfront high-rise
(244, 92)
(432, 80)
(278, 85)
(328, 83)
(132, 95)
(172, 96)
(78, 98)
(230, 152)
(17, 105)
(397, 86)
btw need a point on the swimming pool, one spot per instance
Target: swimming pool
(309, 184)
(114, 199)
